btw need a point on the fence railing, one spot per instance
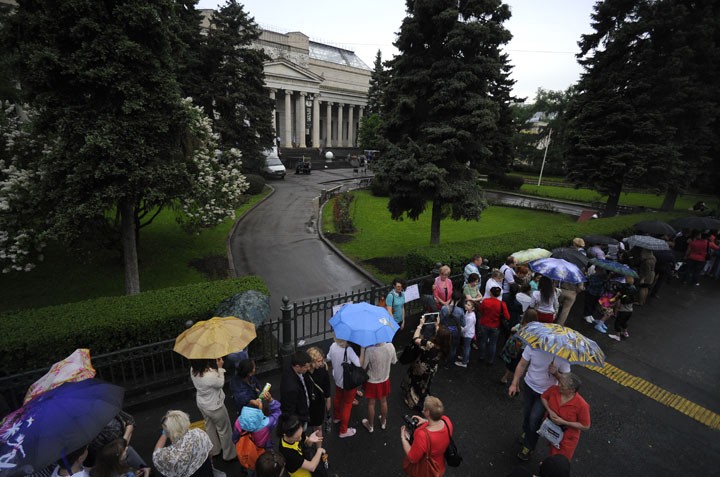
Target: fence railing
(154, 369)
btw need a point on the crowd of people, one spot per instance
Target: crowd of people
(484, 312)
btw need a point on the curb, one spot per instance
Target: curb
(337, 251)
(231, 260)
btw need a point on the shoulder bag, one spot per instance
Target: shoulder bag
(452, 456)
(551, 432)
(425, 467)
(353, 376)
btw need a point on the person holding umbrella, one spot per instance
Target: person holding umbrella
(208, 377)
(72, 464)
(543, 370)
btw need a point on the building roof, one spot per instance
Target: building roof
(333, 54)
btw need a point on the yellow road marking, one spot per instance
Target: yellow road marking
(197, 425)
(656, 393)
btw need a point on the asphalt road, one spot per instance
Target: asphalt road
(673, 345)
(278, 241)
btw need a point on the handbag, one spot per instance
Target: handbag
(353, 376)
(551, 432)
(452, 456)
(425, 467)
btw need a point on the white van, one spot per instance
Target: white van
(273, 165)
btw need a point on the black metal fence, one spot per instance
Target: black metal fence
(154, 370)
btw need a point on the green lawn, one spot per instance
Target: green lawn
(379, 236)
(644, 199)
(165, 254)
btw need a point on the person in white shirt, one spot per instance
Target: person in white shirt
(208, 377)
(343, 400)
(508, 271)
(377, 360)
(495, 280)
(468, 333)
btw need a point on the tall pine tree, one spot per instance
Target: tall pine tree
(439, 111)
(378, 81)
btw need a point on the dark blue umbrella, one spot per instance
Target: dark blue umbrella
(56, 423)
(615, 267)
(364, 324)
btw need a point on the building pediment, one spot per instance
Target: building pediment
(281, 69)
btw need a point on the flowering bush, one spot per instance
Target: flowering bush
(21, 240)
(217, 183)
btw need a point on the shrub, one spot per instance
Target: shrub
(341, 213)
(421, 260)
(379, 188)
(505, 181)
(36, 338)
(256, 184)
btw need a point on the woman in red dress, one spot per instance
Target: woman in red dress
(566, 408)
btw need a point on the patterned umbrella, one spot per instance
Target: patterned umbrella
(646, 242)
(600, 240)
(615, 267)
(215, 338)
(571, 255)
(76, 367)
(558, 269)
(563, 342)
(364, 324)
(524, 256)
(655, 227)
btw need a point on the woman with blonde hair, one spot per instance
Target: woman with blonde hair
(442, 288)
(495, 280)
(188, 455)
(339, 353)
(432, 436)
(321, 392)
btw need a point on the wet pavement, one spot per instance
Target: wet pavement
(673, 345)
(278, 241)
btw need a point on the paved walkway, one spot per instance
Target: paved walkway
(278, 241)
(673, 348)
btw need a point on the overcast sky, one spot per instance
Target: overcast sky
(542, 51)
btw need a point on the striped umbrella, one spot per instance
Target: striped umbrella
(562, 342)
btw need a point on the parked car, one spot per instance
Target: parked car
(274, 166)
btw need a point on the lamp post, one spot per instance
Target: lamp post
(547, 145)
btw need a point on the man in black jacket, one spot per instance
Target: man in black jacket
(295, 388)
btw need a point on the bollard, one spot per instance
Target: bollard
(287, 346)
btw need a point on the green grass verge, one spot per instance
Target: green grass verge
(165, 254)
(380, 239)
(638, 199)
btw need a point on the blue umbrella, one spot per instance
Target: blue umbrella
(558, 269)
(615, 267)
(56, 423)
(364, 324)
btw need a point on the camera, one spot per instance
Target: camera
(411, 423)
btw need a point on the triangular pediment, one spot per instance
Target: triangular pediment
(283, 69)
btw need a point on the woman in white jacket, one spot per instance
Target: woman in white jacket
(208, 377)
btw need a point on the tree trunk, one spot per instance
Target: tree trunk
(612, 203)
(435, 221)
(669, 201)
(130, 259)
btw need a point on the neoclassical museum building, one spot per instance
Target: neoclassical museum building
(320, 91)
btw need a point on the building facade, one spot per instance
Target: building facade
(320, 91)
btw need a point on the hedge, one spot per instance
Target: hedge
(421, 260)
(36, 338)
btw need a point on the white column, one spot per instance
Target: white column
(287, 140)
(316, 122)
(274, 110)
(328, 124)
(361, 114)
(300, 111)
(351, 127)
(340, 139)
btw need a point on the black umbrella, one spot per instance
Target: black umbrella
(655, 227)
(600, 240)
(571, 255)
(697, 223)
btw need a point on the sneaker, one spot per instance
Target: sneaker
(524, 454)
(614, 337)
(349, 433)
(366, 425)
(475, 346)
(461, 364)
(383, 424)
(600, 328)
(625, 334)
(590, 319)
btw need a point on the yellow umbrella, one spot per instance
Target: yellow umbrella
(524, 256)
(215, 338)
